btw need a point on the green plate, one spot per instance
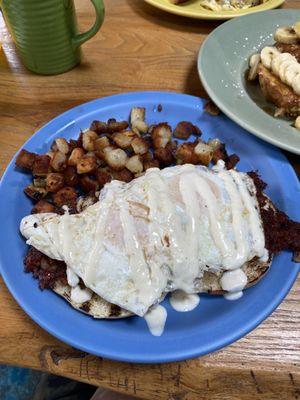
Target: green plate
(222, 63)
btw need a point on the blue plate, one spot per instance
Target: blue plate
(216, 322)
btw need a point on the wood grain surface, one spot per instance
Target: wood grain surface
(138, 48)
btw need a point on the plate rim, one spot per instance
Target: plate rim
(225, 15)
(178, 355)
(223, 107)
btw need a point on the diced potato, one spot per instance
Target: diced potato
(185, 129)
(124, 175)
(25, 159)
(116, 126)
(65, 196)
(115, 158)
(211, 108)
(151, 164)
(88, 183)
(134, 164)
(137, 120)
(88, 139)
(39, 182)
(204, 153)
(70, 176)
(164, 155)
(214, 144)
(62, 145)
(43, 206)
(85, 202)
(99, 127)
(123, 139)
(99, 145)
(35, 193)
(161, 135)
(86, 164)
(102, 176)
(185, 154)
(59, 161)
(139, 146)
(231, 161)
(75, 156)
(41, 165)
(54, 182)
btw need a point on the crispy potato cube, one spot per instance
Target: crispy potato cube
(86, 164)
(151, 164)
(214, 144)
(72, 144)
(100, 144)
(164, 155)
(103, 176)
(185, 154)
(70, 176)
(54, 182)
(140, 127)
(25, 159)
(50, 154)
(219, 153)
(75, 156)
(84, 202)
(65, 196)
(123, 139)
(88, 139)
(124, 175)
(231, 161)
(43, 206)
(161, 135)
(139, 145)
(88, 183)
(211, 108)
(41, 165)
(185, 129)
(147, 156)
(137, 120)
(39, 182)
(62, 145)
(134, 164)
(99, 127)
(204, 153)
(59, 161)
(116, 126)
(115, 158)
(35, 193)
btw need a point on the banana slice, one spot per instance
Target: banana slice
(291, 72)
(296, 85)
(267, 55)
(282, 70)
(254, 63)
(296, 28)
(297, 123)
(286, 34)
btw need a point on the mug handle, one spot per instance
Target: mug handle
(79, 39)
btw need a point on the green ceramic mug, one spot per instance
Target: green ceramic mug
(45, 32)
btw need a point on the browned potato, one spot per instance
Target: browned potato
(204, 153)
(115, 158)
(54, 182)
(134, 164)
(101, 143)
(211, 108)
(41, 165)
(36, 193)
(88, 183)
(70, 176)
(124, 175)
(214, 144)
(185, 154)
(116, 126)
(219, 153)
(39, 182)
(148, 156)
(139, 145)
(86, 164)
(99, 127)
(123, 139)
(84, 202)
(161, 135)
(65, 196)
(137, 120)
(231, 161)
(62, 145)
(43, 206)
(72, 144)
(79, 140)
(75, 156)
(151, 164)
(164, 155)
(25, 159)
(185, 129)
(59, 161)
(88, 140)
(103, 176)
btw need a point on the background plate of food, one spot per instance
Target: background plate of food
(267, 105)
(214, 9)
(61, 165)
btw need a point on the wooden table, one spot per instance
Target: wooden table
(138, 48)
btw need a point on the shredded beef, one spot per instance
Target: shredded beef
(281, 233)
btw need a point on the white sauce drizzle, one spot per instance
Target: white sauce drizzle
(156, 318)
(233, 282)
(72, 278)
(183, 302)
